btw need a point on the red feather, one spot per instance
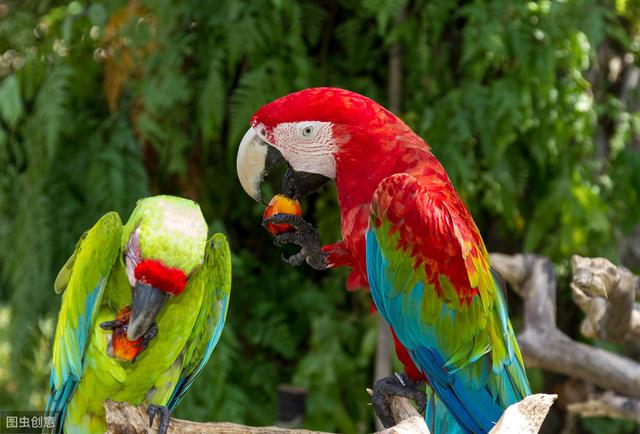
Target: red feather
(374, 144)
(158, 275)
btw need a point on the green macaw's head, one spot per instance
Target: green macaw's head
(163, 242)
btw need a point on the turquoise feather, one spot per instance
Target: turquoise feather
(466, 349)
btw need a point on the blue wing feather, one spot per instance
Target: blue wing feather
(72, 366)
(215, 275)
(430, 280)
(83, 278)
(473, 409)
(185, 382)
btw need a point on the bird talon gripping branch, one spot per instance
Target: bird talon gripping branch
(163, 417)
(398, 384)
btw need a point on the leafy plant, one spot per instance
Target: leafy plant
(102, 103)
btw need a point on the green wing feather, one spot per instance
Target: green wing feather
(215, 275)
(83, 279)
(430, 279)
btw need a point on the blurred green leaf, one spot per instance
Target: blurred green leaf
(520, 101)
(11, 107)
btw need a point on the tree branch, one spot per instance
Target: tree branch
(125, 418)
(606, 294)
(543, 345)
(526, 416)
(523, 417)
(406, 417)
(608, 404)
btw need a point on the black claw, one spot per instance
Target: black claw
(305, 236)
(163, 413)
(395, 385)
(110, 325)
(383, 409)
(296, 221)
(148, 336)
(286, 238)
(151, 333)
(293, 260)
(317, 260)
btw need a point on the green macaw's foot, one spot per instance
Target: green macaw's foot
(305, 236)
(111, 325)
(151, 333)
(163, 413)
(395, 385)
(119, 346)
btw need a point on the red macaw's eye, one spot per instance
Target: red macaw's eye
(158, 275)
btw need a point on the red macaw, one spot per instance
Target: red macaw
(407, 236)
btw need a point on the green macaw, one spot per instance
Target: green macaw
(143, 308)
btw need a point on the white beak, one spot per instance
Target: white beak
(255, 158)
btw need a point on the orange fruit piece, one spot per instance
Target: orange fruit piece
(123, 348)
(281, 204)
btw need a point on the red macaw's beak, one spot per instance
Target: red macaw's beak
(147, 303)
(256, 157)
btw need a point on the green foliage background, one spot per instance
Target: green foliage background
(102, 103)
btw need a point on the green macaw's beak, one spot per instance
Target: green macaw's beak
(147, 302)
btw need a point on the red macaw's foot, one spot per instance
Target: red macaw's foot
(281, 204)
(119, 346)
(163, 417)
(305, 236)
(396, 385)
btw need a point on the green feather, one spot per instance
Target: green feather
(173, 231)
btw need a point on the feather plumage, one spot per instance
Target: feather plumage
(430, 279)
(215, 276)
(419, 251)
(96, 286)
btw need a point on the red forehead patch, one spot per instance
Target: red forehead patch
(158, 275)
(327, 104)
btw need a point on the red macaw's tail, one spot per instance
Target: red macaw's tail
(438, 417)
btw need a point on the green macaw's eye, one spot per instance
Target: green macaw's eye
(307, 131)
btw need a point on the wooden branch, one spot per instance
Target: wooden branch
(384, 349)
(543, 345)
(523, 417)
(126, 418)
(608, 404)
(406, 417)
(526, 416)
(606, 294)
(412, 425)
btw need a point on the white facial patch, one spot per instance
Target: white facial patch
(307, 146)
(132, 256)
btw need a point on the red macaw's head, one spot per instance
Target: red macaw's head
(320, 133)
